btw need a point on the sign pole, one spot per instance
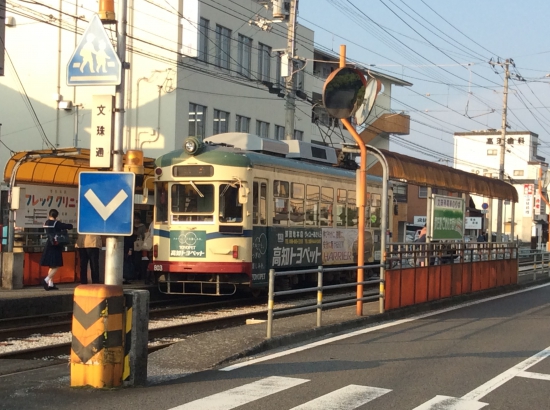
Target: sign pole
(114, 257)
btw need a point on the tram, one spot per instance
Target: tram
(231, 207)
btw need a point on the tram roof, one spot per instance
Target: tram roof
(230, 157)
(59, 167)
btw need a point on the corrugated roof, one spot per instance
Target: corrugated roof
(425, 173)
(60, 167)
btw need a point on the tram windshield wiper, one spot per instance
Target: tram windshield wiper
(196, 189)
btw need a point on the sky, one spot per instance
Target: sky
(444, 48)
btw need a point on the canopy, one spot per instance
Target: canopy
(55, 167)
(425, 173)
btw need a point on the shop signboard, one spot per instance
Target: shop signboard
(37, 200)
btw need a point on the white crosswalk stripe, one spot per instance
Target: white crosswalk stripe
(239, 396)
(346, 398)
(450, 403)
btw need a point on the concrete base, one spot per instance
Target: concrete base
(12, 270)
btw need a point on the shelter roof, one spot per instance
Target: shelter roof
(55, 167)
(425, 173)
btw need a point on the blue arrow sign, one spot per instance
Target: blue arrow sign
(94, 62)
(106, 203)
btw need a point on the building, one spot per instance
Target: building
(233, 84)
(479, 152)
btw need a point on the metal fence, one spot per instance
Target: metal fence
(534, 261)
(409, 255)
(319, 305)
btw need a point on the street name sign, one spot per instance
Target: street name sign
(106, 203)
(94, 61)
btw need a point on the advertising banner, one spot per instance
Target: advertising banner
(528, 202)
(291, 247)
(338, 246)
(447, 217)
(37, 201)
(188, 244)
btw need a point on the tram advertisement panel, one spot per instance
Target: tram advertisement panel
(295, 247)
(339, 246)
(188, 244)
(259, 256)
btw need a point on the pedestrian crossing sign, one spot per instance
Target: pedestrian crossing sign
(94, 61)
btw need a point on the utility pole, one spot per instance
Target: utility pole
(114, 257)
(506, 65)
(290, 97)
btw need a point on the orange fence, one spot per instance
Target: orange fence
(33, 272)
(426, 272)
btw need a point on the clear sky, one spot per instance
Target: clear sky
(444, 47)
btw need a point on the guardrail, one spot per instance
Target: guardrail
(538, 259)
(271, 312)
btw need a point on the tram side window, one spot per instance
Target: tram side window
(231, 211)
(161, 202)
(259, 203)
(297, 205)
(341, 200)
(312, 205)
(280, 202)
(327, 199)
(352, 218)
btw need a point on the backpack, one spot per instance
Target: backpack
(56, 238)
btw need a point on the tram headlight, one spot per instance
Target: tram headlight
(192, 145)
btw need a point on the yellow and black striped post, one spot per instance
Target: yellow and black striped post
(97, 351)
(127, 336)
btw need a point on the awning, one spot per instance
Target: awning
(55, 167)
(425, 173)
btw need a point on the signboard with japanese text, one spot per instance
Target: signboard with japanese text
(339, 245)
(39, 199)
(447, 218)
(188, 244)
(101, 141)
(294, 246)
(472, 222)
(419, 220)
(537, 203)
(528, 200)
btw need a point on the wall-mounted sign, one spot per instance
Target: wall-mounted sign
(447, 218)
(528, 190)
(419, 220)
(471, 222)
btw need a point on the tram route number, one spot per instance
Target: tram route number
(157, 268)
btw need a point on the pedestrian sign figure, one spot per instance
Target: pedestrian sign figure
(94, 62)
(87, 52)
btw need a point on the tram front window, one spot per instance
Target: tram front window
(192, 202)
(231, 211)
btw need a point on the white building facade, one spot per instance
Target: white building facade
(479, 152)
(233, 84)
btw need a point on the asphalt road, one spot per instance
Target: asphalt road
(491, 354)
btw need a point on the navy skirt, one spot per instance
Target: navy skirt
(52, 256)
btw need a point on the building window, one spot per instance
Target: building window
(242, 124)
(204, 28)
(279, 132)
(197, 116)
(262, 129)
(299, 75)
(491, 152)
(264, 62)
(298, 135)
(244, 55)
(221, 121)
(518, 172)
(223, 46)
(278, 78)
(422, 192)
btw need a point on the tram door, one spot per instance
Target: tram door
(259, 233)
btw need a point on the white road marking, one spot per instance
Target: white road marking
(346, 398)
(450, 403)
(502, 378)
(105, 211)
(372, 329)
(239, 396)
(533, 375)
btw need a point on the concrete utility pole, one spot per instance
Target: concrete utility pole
(114, 257)
(290, 97)
(506, 65)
